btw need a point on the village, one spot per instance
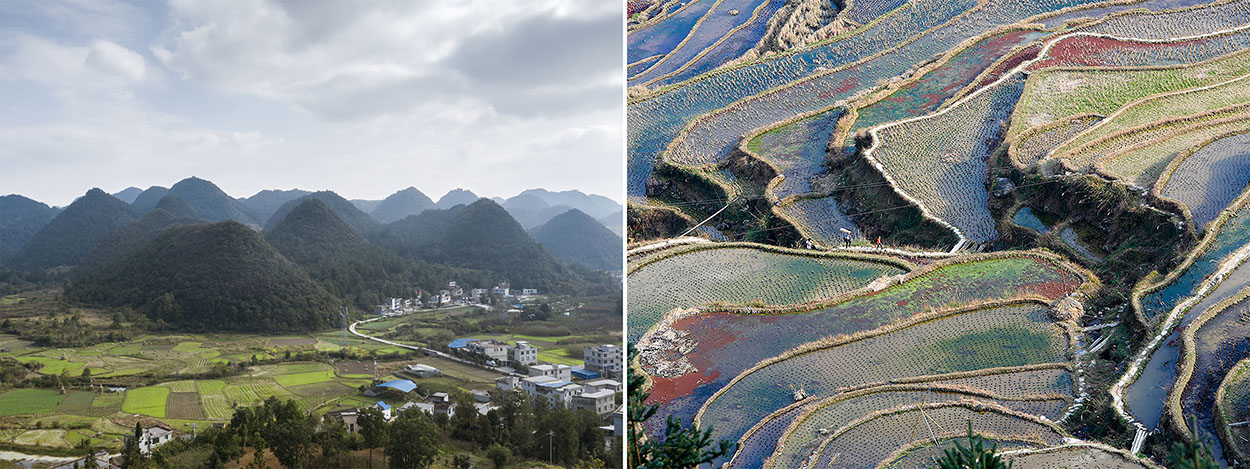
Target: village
(593, 385)
(456, 350)
(454, 295)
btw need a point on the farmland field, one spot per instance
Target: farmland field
(147, 401)
(742, 275)
(92, 414)
(1063, 185)
(1233, 405)
(28, 401)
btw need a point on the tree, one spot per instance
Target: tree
(1192, 454)
(227, 446)
(413, 440)
(975, 456)
(133, 457)
(464, 422)
(498, 454)
(332, 438)
(680, 447)
(291, 437)
(373, 429)
(258, 457)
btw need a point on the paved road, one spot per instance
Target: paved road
(427, 351)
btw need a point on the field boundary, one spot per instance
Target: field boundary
(1189, 358)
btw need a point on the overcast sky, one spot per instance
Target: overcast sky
(361, 97)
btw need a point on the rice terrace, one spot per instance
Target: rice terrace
(861, 229)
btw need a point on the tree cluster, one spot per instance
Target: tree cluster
(519, 430)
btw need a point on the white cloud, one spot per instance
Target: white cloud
(109, 59)
(362, 98)
(102, 69)
(360, 61)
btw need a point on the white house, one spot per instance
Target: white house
(530, 384)
(501, 289)
(386, 410)
(606, 359)
(560, 372)
(421, 370)
(507, 383)
(601, 403)
(491, 349)
(477, 293)
(421, 406)
(529, 291)
(603, 384)
(523, 353)
(557, 392)
(153, 438)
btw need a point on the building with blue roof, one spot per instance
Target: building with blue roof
(580, 372)
(402, 385)
(385, 408)
(460, 343)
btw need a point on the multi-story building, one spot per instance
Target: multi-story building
(601, 402)
(153, 437)
(560, 372)
(507, 383)
(491, 349)
(523, 353)
(603, 384)
(606, 359)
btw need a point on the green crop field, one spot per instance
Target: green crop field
(29, 401)
(147, 401)
(292, 368)
(296, 379)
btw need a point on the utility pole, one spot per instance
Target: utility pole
(550, 434)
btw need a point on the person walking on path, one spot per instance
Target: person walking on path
(846, 240)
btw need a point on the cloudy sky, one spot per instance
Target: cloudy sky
(362, 97)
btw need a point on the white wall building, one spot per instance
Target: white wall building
(560, 372)
(507, 383)
(491, 349)
(502, 289)
(153, 438)
(606, 359)
(523, 353)
(530, 385)
(603, 384)
(601, 403)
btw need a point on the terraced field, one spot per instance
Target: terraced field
(1207, 177)
(1232, 404)
(982, 117)
(959, 342)
(685, 383)
(744, 275)
(1216, 340)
